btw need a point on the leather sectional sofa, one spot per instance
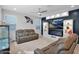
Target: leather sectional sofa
(62, 46)
(25, 35)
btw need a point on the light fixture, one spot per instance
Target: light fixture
(48, 17)
(72, 6)
(64, 14)
(39, 13)
(52, 16)
(57, 15)
(14, 8)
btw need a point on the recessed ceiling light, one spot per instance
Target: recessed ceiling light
(39, 13)
(14, 8)
(72, 6)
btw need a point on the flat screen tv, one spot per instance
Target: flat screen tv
(56, 27)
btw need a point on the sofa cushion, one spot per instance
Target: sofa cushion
(71, 50)
(69, 41)
(38, 51)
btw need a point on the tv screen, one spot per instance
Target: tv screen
(56, 27)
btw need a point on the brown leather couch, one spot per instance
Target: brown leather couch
(25, 35)
(62, 46)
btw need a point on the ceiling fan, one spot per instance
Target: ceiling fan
(40, 11)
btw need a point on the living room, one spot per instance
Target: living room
(42, 29)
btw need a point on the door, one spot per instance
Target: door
(4, 37)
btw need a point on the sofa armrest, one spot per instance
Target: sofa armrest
(60, 48)
(38, 51)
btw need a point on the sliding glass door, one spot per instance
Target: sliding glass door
(4, 37)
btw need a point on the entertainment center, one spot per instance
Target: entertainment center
(55, 26)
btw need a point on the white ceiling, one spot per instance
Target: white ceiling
(29, 9)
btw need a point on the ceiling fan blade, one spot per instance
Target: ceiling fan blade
(34, 12)
(43, 11)
(39, 12)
